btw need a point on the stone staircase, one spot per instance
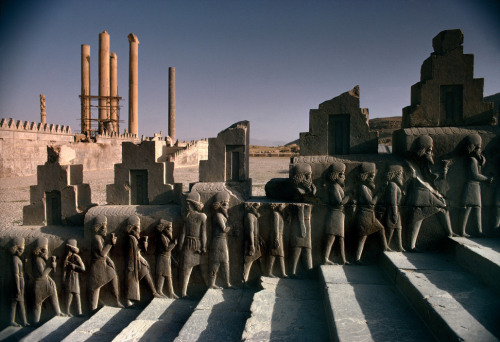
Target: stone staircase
(445, 296)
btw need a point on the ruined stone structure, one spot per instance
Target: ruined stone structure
(339, 126)
(340, 190)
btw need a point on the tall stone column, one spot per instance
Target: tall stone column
(103, 79)
(133, 85)
(85, 91)
(113, 85)
(43, 113)
(171, 103)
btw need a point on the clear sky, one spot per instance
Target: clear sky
(266, 61)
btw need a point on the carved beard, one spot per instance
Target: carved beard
(429, 158)
(300, 181)
(44, 256)
(340, 182)
(398, 181)
(255, 212)
(479, 157)
(370, 184)
(135, 234)
(224, 212)
(168, 234)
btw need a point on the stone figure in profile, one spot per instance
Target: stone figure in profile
(72, 266)
(165, 244)
(44, 286)
(102, 268)
(277, 249)
(471, 195)
(219, 254)
(298, 187)
(300, 237)
(192, 239)
(393, 196)
(334, 225)
(424, 199)
(364, 220)
(137, 268)
(253, 241)
(17, 251)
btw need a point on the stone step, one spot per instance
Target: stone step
(287, 310)
(219, 316)
(363, 305)
(55, 329)
(161, 320)
(454, 304)
(104, 325)
(11, 333)
(480, 257)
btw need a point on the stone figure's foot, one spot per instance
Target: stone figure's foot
(173, 296)
(388, 250)
(229, 286)
(401, 249)
(344, 262)
(415, 250)
(61, 314)
(358, 262)
(284, 275)
(129, 303)
(453, 235)
(69, 314)
(270, 275)
(119, 304)
(328, 262)
(215, 287)
(465, 235)
(161, 293)
(15, 324)
(157, 295)
(26, 324)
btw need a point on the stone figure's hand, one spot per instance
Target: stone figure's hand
(251, 251)
(491, 179)
(113, 239)
(203, 250)
(130, 269)
(276, 243)
(394, 218)
(175, 242)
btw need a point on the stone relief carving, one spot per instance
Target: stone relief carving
(137, 268)
(277, 249)
(253, 241)
(44, 286)
(219, 254)
(471, 195)
(334, 225)
(17, 251)
(164, 246)
(393, 196)
(298, 188)
(72, 266)
(102, 269)
(300, 239)
(423, 197)
(365, 221)
(192, 239)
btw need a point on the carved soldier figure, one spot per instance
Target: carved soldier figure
(102, 268)
(17, 251)
(365, 221)
(219, 253)
(278, 247)
(471, 195)
(334, 226)
(393, 195)
(422, 191)
(164, 248)
(44, 286)
(73, 265)
(193, 239)
(253, 241)
(137, 267)
(300, 239)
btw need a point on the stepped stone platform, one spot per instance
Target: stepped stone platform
(287, 310)
(454, 304)
(219, 316)
(161, 320)
(362, 305)
(55, 329)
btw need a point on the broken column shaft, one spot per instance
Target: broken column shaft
(85, 91)
(171, 103)
(113, 85)
(103, 79)
(133, 84)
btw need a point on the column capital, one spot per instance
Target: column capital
(132, 38)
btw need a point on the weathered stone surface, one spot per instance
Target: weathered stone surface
(448, 94)
(144, 176)
(104, 325)
(339, 126)
(54, 330)
(363, 306)
(220, 315)
(451, 301)
(287, 310)
(480, 257)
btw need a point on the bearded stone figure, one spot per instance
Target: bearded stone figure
(17, 251)
(393, 195)
(277, 242)
(219, 253)
(165, 244)
(471, 195)
(365, 221)
(44, 286)
(253, 241)
(424, 199)
(334, 225)
(192, 239)
(298, 187)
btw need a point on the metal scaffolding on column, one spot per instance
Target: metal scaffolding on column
(91, 125)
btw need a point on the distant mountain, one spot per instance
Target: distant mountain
(266, 142)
